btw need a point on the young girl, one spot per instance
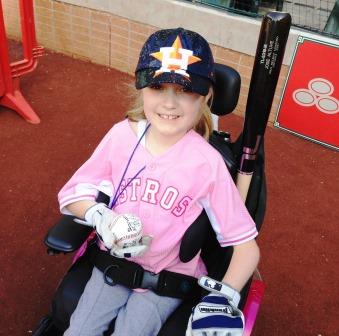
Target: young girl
(158, 166)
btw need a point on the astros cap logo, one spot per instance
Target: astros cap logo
(175, 59)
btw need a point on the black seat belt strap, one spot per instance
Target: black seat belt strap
(132, 275)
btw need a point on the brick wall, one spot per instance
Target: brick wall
(112, 41)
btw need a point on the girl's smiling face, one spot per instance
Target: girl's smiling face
(171, 110)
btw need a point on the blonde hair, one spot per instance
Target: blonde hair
(203, 126)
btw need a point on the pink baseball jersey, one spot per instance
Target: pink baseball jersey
(168, 195)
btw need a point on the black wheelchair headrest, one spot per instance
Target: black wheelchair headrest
(226, 89)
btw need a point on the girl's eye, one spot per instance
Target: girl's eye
(183, 89)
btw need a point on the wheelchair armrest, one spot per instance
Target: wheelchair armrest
(66, 235)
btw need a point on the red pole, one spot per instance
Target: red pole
(5, 69)
(10, 94)
(31, 50)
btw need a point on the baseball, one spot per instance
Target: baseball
(127, 230)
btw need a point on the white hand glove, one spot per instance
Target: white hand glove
(215, 316)
(101, 218)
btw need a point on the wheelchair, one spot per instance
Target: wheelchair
(67, 236)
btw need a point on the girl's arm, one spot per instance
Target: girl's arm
(79, 208)
(243, 263)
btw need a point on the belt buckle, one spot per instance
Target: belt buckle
(149, 280)
(108, 280)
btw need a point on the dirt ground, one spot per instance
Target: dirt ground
(77, 103)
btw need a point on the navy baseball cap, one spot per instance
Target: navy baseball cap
(177, 56)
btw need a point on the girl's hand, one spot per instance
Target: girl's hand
(214, 315)
(120, 233)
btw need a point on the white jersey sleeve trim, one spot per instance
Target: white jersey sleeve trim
(104, 186)
(215, 225)
(240, 239)
(86, 191)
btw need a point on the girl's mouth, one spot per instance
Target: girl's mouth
(168, 116)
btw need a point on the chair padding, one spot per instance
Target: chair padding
(226, 89)
(194, 238)
(67, 235)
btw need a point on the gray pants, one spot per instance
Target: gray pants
(137, 314)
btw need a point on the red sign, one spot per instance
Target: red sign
(309, 105)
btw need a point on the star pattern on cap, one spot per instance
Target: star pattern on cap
(179, 61)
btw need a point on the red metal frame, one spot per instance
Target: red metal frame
(10, 94)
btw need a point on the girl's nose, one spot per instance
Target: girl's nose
(170, 99)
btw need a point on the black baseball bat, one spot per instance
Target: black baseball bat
(267, 64)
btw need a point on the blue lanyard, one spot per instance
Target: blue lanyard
(117, 193)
